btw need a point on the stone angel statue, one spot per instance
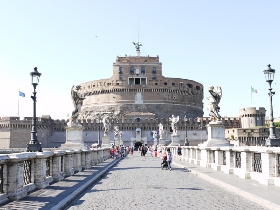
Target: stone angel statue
(161, 131)
(116, 131)
(106, 124)
(174, 120)
(155, 135)
(77, 100)
(213, 105)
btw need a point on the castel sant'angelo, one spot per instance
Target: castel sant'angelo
(138, 86)
(137, 97)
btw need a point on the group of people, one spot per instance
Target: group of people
(118, 151)
(167, 156)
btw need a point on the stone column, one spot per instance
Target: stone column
(68, 163)
(246, 164)
(77, 161)
(83, 159)
(57, 167)
(87, 159)
(268, 167)
(15, 175)
(95, 156)
(205, 158)
(40, 168)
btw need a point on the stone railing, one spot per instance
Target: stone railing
(258, 163)
(23, 172)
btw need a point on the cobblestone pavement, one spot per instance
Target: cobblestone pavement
(137, 183)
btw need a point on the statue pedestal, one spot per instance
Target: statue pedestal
(106, 141)
(161, 142)
(175, 140)
(117, 141)
(216, 135)
(74, 137)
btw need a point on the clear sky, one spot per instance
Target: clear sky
(225, 43)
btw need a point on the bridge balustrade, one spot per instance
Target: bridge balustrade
(23, 172)
(250, 162)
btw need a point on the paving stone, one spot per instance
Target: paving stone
(137, 183)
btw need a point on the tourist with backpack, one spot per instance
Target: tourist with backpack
(169, 158)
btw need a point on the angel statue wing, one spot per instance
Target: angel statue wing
(219, 93)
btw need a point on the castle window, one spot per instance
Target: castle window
(137, 81)
(143, 70)
(154, 76)
(165, 83)
(120, 77)
(132, 70)
(173, 84)
(189, 86)
(120, 70)
(138, 119)
(156, 83)
(117, 83)
(154, 70)
(180, 84)
(197, 87)
(131, 81)
(143, 81)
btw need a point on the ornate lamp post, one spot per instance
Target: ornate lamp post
(98, 140)
(272, 139)
(34, 145)
(200, 128)
(186, 128)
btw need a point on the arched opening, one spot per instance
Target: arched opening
(137, 145)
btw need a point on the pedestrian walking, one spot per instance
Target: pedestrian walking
(131, 151)
(151, 151)
(179, 151)
(143, 151)
(169, 158)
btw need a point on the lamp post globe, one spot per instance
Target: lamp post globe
(272, 139)
(34, 145)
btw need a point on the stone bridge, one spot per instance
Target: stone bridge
(204, 178)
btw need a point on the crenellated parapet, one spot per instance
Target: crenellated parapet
(252, 117)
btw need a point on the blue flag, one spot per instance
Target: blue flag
(21, 94)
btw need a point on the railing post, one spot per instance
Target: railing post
(205, 157)
(246, 164)
(68, 163)
(268, 167)
(95, 156)
(77, 162)
(40, 169)
(88, 159)
(57, 167)
(83, 159)
(15, 183)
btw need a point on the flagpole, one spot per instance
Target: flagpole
(18, 102)
(251, 96)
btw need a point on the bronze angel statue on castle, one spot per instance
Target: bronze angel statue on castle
(137, 46)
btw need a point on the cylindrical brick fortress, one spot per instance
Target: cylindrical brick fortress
(137, 85)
